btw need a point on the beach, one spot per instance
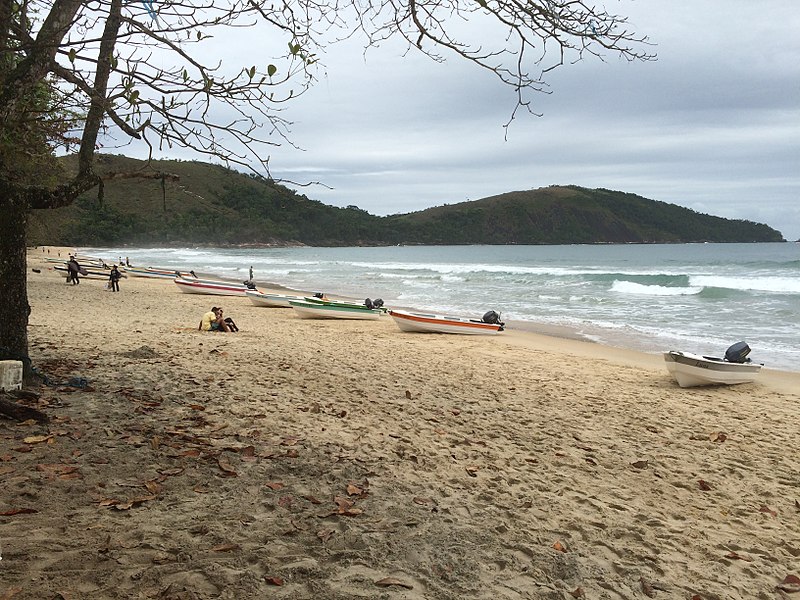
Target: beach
(345, 459)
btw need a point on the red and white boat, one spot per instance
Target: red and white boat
(210, 286)
(427, 323)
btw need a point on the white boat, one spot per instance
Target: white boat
(89, 273)
(272, 300)
(428, 323)
(154, 273)
(692, 370)
(91, 264)
(209, 286)
(310, 310)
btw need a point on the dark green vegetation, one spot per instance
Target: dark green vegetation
(212, 205)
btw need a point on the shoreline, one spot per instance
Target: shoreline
(653, 318)
(623, 343)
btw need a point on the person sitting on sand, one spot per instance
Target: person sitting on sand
(214, 320)
(226, 323)
(209, 320)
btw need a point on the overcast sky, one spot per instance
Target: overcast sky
(713, 124)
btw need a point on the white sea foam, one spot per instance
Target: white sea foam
(781, 285)
(629, 287)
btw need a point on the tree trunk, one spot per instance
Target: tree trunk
(13, 283)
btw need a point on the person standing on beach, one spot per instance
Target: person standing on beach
(251, 272)
(73, 270)
(114, 278)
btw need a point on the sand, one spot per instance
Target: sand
(345, 459)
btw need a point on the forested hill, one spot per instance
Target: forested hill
(576, 215)
(213, 205)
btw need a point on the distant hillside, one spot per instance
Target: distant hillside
(213, 205)
(574, 215)
(209, 204)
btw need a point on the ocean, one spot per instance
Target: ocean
(698, 298)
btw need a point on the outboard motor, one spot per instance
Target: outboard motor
(377, 303)
(250, 285)
(319, 295)
(492, 318)
(738, 353)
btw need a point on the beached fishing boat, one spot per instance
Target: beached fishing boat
(88, 273)
(692, 370)
(311, 310)
(158, 273)
(272, 300)
(428, 323)
(57, 261)
(209, 286)
(377, 304)
(91, 262)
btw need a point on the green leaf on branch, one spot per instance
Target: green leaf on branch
(271, 70)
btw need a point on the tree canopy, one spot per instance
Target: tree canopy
(151, 71)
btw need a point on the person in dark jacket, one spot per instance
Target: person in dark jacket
(73, 270)
(114, 278)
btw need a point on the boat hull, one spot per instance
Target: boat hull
(88, 273)
(155, 274)
(345, 303)
(309, 310)
(272, 300)
(190, 286)
(427, 323)
(693, 370)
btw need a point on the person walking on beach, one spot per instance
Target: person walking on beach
(114, 278)
(73, 270)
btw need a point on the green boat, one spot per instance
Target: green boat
(334, 310)
(346, 303)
